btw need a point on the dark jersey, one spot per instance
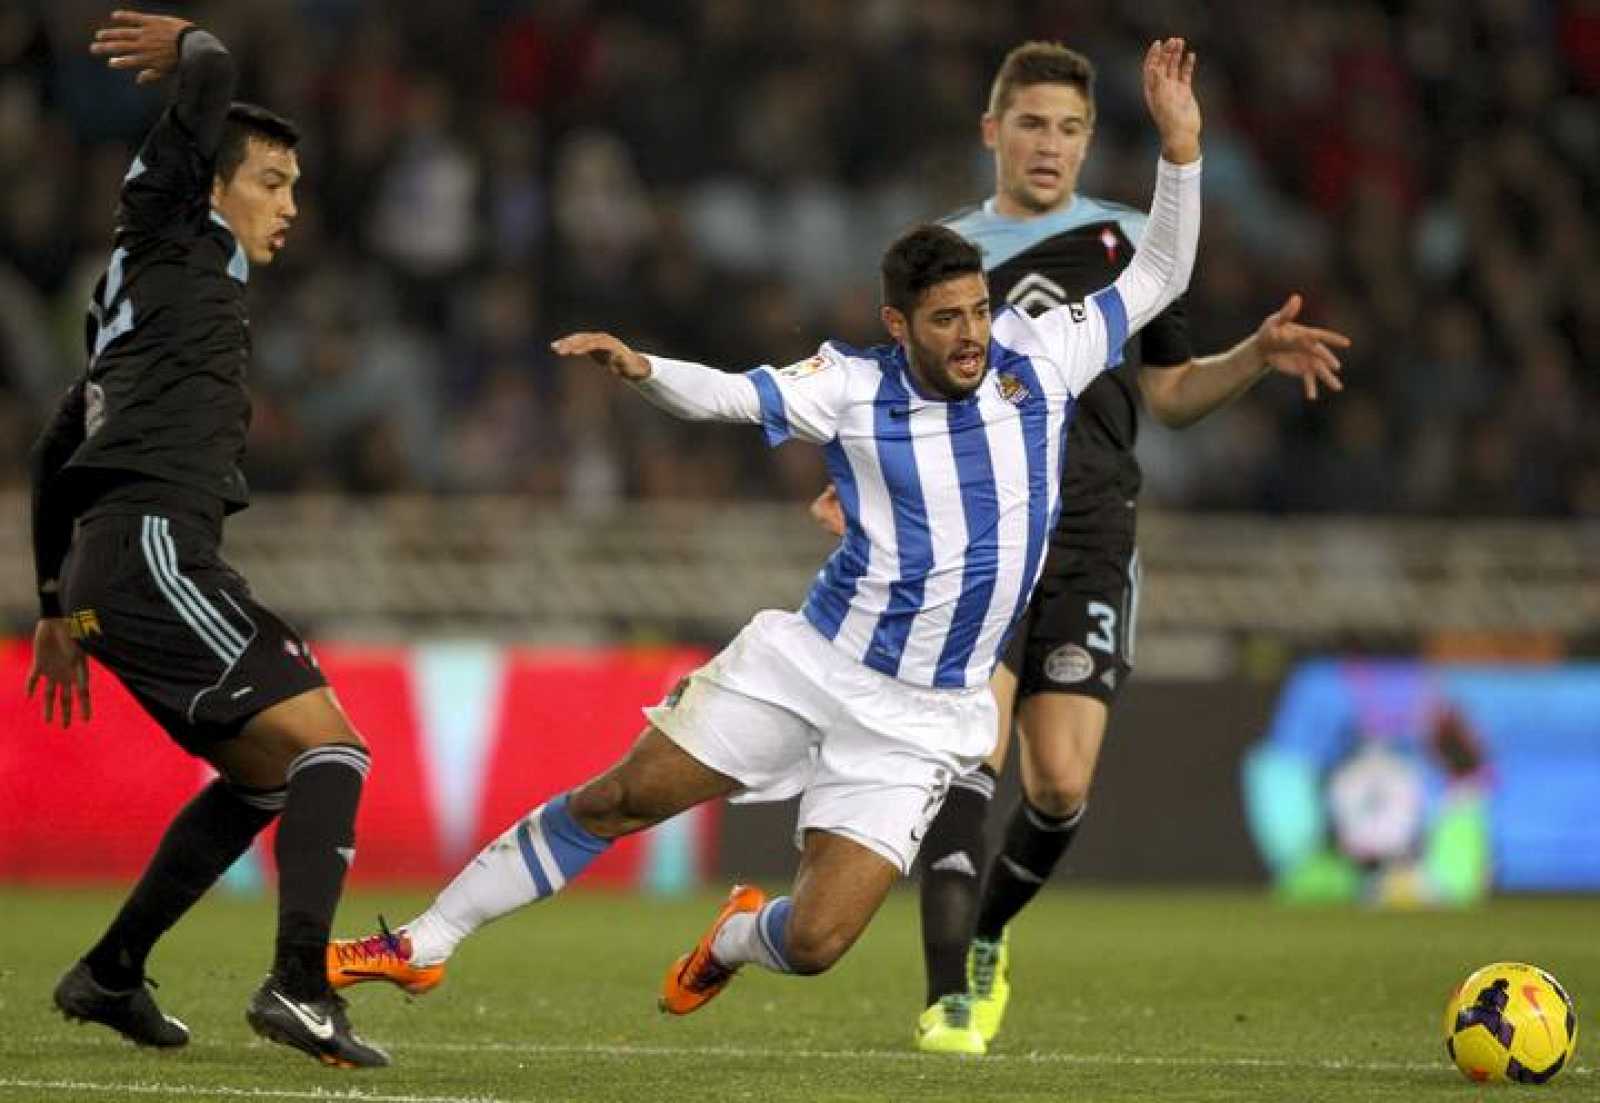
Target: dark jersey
(167, 340)
(1039, 263)
(167, 337)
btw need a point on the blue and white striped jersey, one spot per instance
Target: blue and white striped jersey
(948, 504)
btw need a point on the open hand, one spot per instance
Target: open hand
(607, 351)
(59, 662)
(136, 40)
(1169, 94)
(1304, 352)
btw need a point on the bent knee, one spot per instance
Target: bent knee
(1060, 798)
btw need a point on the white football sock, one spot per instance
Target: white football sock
(755, 937)
(533, 859)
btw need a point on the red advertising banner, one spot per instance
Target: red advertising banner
(465, 739)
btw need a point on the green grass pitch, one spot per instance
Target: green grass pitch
(1127, 995)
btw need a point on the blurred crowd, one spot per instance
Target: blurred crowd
(715, 179)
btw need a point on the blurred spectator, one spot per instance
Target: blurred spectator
(715, 180)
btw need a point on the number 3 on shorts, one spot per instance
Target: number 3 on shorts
(1104, 637)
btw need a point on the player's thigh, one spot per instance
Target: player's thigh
(1060, 735)
(839, 887)
(753, 712)
(157, 607)
(269, 742)
(1003, 684)
(654, 781)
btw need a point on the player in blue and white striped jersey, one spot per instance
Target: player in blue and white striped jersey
(947, 447)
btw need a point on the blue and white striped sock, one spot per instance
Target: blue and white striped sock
(756, 937)
(534, 859)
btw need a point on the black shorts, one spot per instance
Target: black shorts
(1077, 633)
(153, 602)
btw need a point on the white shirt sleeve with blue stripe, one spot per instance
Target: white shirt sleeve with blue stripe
(799, 401)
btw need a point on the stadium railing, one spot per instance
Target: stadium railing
(512, 569)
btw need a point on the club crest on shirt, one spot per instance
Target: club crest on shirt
(1012, 389)
(1108, 241)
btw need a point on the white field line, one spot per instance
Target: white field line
(124, 1089)
(535, 1049)
(544, 1049)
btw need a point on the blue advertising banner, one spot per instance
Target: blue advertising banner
(1413, 782)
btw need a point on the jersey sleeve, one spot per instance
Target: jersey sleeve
(52, 515)
(1164, 343)
(170, 180)
(802, 400)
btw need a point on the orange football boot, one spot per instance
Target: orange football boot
(697, 976)
(381, 956)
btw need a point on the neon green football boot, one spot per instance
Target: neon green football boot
(946, 1027)
(988, 964)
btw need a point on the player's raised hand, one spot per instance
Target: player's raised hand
(138, 40)
(1304, 352)
(59, 662)
(1169, 94)
(607, 351)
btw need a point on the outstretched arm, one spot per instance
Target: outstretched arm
(690, 391)
(1086, 343)
(1161, 266)
(158, 45)
(1183, 394)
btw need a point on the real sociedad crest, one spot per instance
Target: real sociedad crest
(1012, 389)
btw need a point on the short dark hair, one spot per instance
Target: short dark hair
(1041, 63)
(246, 121)
(922, 257)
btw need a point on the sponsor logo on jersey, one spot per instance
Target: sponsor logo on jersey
(805, 367)
(82, 624)
(94, 409)
(1068, 664)
(1012, 389)
(1036, 294)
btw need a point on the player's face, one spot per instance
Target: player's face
(947, 336)
(1039, 143)
(258, 203)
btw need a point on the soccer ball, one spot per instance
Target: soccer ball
(1509, 1021)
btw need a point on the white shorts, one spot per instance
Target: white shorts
(782, 711)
